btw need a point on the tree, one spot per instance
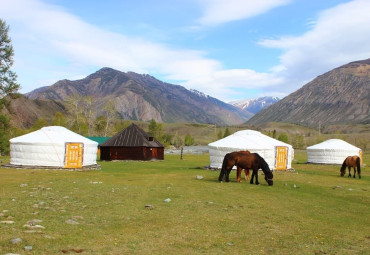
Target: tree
(153, 127)
(4, 134)
(73, 104)
(110, 115)
(189, 140)
(100, 125)
(283, 137)
(219, 134)
(227, 132)
(89, 113)
(8, 78)
(59, 120)
(40, 123)
(8, 83)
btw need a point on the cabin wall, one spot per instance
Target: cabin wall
(131, 153)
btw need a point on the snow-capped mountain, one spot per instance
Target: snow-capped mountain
(255, 105)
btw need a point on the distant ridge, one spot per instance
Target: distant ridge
(336, 97)
(143, 97)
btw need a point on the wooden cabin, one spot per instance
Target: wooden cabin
(132, 143)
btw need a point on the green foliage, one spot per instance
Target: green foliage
(40, 123)
(219, 134)
(153, 127)
(8, 78)
(227, 132)
(59, 120)
(283, 137)
(8, 84)
(100, 125)
(4, 134)
(119, 125)
(299, 142)
(178, 141)
(189, 140)
(166, 139)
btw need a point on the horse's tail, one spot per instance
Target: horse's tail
(359, 167)
(223, 169)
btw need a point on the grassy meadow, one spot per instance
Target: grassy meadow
(121, 209)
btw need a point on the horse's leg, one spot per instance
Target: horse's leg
(222, 173)
(246, 173)
(349, 171)
(257, 183)
(227, 174)
(354, 172)
(239, 173)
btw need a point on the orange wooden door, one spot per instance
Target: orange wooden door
(281, 157)
(74, 155)
(361, 155)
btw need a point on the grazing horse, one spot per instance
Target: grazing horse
(351, 161)
(245, 161)
(239, 170)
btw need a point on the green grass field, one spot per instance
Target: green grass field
(310, 211)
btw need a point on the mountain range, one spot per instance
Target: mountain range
(143, 97)
(340, 96)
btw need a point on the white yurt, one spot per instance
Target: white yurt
(277, 154)
(333, 151)
(53, 146)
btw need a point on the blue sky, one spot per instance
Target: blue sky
(229, 49)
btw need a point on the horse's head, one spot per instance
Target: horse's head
(343, 168)
(269, 178)
(266, 170)
(342, 171)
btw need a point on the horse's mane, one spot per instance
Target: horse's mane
(264, 166)
(262, 163)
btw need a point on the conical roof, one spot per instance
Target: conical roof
(51, 135)
(132, 136)
(336, 144)
(247, 139)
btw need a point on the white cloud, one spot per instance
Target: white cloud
(217, 12)
(51, 44)
(338, 36)
(61, 45)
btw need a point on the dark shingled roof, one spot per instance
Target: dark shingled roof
(132, 136)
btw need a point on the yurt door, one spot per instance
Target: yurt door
(361, 155)
(281, 159)
(74, 155)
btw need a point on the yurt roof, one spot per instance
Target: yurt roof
(333, 144)
(51, 135)
(247, 139)
(132, 136)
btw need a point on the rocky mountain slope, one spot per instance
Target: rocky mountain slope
(255, 105)
(338, 96)
(143, 97)
(24, 112)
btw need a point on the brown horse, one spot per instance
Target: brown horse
(239, 170)
(351, 161)
(245, 161)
